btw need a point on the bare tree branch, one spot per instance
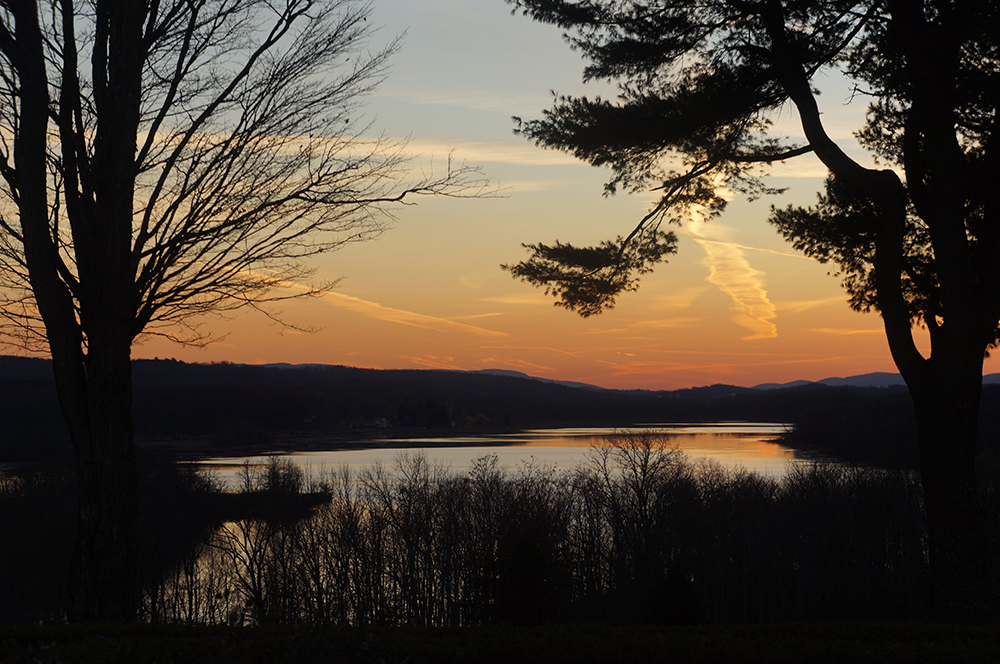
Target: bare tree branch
(253, 153)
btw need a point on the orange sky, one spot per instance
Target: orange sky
(735, 305)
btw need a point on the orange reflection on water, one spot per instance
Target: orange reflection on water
(748, 445)
(749, 439)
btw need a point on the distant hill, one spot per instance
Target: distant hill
(877, 379)
(518, 374)
(781, 386)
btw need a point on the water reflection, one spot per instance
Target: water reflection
(750, 445)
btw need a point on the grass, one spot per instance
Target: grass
(577, 644)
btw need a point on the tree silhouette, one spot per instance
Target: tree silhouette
(915, 238)
(171, 159)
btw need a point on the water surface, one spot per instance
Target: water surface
(750, 445)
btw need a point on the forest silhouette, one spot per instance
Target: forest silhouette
(640, 534)
(637, 534)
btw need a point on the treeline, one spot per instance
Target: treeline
(180, 508)
(230, 406)
(639, 534)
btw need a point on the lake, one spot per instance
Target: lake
(751, 445)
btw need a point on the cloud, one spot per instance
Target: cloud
(521, 153)
(843, 331)
(806, 166)
(716, 368)
(665, 323)
(490, 314)
(493, 361)
(433, 362)
(809, 165)
(403, 317)
(519, 298)
(729, 269)
(798, 306)
(679, 299)
(522, 186)
(736, 245)
(479, 100)
(519, 349)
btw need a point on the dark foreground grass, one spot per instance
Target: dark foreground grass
(744, 644)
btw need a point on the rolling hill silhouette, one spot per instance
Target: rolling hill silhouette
(222, 407)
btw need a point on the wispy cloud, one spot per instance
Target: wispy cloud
(798, 306)
(843, 331)
(490, 314)
(523, 186)
(519, 349)
(433, 362)
(806, 166)
(521, 365)
(403, 317)
(521, 153)
(729, 269)
(519, 298)
(665, 323)
(737, 245)
(480, 100)
(702, 367)
(679, 299)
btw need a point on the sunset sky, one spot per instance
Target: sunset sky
(735, 305)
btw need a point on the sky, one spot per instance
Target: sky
(735, 305)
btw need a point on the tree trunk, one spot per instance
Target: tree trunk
(92, 368)
(104, 572)
(946, 406)
(105, 578)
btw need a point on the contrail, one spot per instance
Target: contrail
(729, 269)
(403, 317)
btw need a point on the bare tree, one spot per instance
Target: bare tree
(162, 160)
